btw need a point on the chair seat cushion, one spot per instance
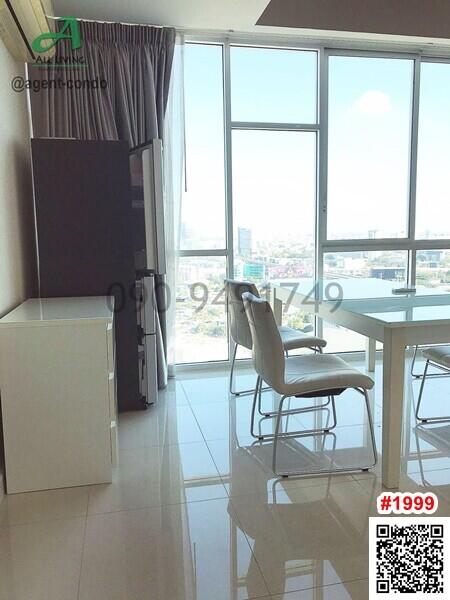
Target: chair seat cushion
(438, 354)
(311, 373)
(293, 339)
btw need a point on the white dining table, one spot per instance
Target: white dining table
(369, 307)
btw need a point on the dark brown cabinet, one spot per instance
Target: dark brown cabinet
(84, 243)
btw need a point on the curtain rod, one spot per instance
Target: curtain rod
(307, 37)
(55, 18)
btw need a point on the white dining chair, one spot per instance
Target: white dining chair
(440, 373)
(308, 376)
(292, 339)
(437, 356)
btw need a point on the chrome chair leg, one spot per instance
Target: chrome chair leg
(372, 430)
(333, 408)
(422, 385)
(277, 436)
(419, 401)
(233, 360)
(416, 376)
(420, 375)
(287, 413)
(255, 400)
(299, 410)
(267, 437)
(230, 387)
(236, 392)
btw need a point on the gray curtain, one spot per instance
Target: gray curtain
(130, 66)
(134, 61)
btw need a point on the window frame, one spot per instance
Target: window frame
(423, 243)
(229, 127)
(324, 51)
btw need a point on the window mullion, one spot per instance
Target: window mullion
(413, 167)
(228, 163)
(228, 170)
(322, 173)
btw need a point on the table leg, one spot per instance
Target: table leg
(371, 348)
(277, 307)
(393, 390)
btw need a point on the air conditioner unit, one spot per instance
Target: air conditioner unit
(21, 22)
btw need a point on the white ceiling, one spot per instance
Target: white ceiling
(240, 15)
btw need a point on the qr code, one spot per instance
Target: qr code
(409, 557)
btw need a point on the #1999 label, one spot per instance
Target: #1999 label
(407, 503)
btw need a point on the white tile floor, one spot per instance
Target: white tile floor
(195, 512)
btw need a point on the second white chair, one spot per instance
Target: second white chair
(310, 376)
(292, 339)
(437, 356)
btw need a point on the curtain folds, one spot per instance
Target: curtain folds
(133, 61)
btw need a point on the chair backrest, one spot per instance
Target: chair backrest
(268, 353)
(239, 329)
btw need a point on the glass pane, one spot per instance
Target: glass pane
(205, 170)
(363, 267)
(274, 188)
(201, 322)
(433, 175)
(273, 86)
(433, 269)
(368, 147)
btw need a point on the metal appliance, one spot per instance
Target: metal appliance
(146, 165)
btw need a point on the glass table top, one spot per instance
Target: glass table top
(375, 298)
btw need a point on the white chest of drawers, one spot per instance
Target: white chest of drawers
(57, 386)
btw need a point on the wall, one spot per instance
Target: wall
(17, 256)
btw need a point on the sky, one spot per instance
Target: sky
(370, 104)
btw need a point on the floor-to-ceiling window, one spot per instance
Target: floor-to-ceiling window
(251, 179)
(273, 150)
(432, 260)
(201, 331)
(309, 163)
(369, 117)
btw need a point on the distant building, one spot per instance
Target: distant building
(430, 258)
(238, 269)
(388, 273)
(255, 271)
(245, 242)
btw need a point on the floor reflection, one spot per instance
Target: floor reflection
(195, 511)
(308, 537)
